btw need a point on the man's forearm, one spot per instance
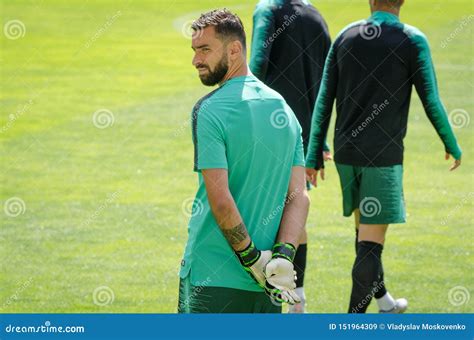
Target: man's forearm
(294, 217)
(230, 222)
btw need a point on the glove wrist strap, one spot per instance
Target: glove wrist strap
(249, 255)
(284, 250)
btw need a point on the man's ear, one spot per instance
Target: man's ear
(235, 49)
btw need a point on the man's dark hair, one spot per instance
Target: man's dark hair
(226, 24)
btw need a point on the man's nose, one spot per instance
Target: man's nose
(196, 60)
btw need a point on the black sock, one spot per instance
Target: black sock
(380, 289)
(365, 275)
(300, 264)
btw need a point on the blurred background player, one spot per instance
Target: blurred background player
(370, 71)
(246, 168)
(290, 43)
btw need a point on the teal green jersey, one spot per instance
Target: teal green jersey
(248, 129)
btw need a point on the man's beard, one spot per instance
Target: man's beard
(214, 77)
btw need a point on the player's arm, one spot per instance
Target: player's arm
(230, 222)
(323, 41)
(262, 40)
(280, 271)
(322, 117)
(296, 208)
(424, 79)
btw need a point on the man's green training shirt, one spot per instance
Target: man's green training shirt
(247, 128)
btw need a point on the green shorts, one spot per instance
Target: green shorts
(376, 191)
(204, 299)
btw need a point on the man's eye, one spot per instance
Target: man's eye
(205, 49)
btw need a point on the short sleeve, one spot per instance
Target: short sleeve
(208, 139)
(298, 158)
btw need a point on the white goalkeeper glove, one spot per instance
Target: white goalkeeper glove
(254, 262)
(280, 274)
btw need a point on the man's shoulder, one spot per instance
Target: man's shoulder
(207, 103)
(414, 33)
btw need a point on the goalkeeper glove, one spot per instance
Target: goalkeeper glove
(254, 261)
(280, 274)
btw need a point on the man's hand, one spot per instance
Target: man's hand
(327, 156)
(312, 175)
(456, 164)
(254, 262)
(281, 281)
(280, 274)
(257, 270)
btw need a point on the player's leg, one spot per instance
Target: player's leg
(367, 266)
(300, 268)
(381, 203)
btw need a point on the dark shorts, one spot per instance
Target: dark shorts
(203, 299)
(376, 191)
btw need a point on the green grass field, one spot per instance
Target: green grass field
(104, 206)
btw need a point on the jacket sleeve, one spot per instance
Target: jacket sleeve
(262, 40)
(424, 79)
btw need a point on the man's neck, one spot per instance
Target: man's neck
(238, 71)
(391, 10)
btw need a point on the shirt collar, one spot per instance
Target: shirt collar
(381, 16)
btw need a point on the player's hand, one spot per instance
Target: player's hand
(257, 270)
(281, 275)
(254, 261)
(327, 156)
(456, 164)
(312, 175)
(280, 283)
